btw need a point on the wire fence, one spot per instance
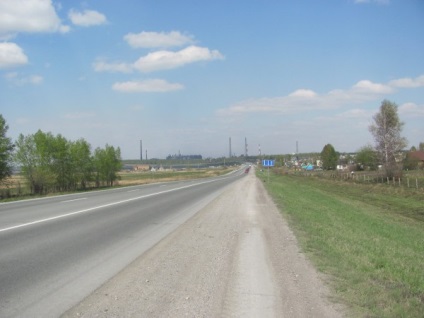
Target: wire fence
(410, 180)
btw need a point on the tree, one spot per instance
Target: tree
(6, 151)
(82, 163)
(421, 146)
(366, 157)
(26, 158)
(329, 157)
(386, 130)
(107, 163)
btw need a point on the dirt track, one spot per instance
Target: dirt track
(235, 258)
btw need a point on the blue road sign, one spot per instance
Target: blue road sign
(268, 163)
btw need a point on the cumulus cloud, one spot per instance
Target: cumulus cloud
(163, 60)
(87, 18)
(147, 86)
(29, 16)
(307, 100)
(369, 87)
(303, 93)
(157, 39)
(411, 109)
(11, 55)
(408, 82)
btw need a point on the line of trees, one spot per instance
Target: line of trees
(6, 151)
(53, 164)
(389, 145)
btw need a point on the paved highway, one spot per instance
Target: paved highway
(55, 251)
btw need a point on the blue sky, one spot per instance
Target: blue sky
(185, 76)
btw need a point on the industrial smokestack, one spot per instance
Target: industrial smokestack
(230, 149)
(141, 150)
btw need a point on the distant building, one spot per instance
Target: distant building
(419, 156)
(141, 168)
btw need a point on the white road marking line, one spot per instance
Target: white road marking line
(98, 207)
(66, 201)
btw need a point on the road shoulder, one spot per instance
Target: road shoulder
(236, 257)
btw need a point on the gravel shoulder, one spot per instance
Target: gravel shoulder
(237, 257)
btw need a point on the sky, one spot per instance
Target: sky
(185, 76)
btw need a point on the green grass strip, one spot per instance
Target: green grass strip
(369, 246)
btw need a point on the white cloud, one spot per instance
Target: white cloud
(411, 109)
(163, 60)
(18, 80)
(369, 87)
(157, 39)
(87, 18)
(28, 16)
(147, 86)
(101, 66)
(35, 79)
(303, 93)
(307, 100)
(354, 114)
(11, 55)
(408, 82)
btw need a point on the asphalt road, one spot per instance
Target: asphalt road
(56, 251)
(236, 257)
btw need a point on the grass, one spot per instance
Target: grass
(16, 187)
(367, 239)
(127, 178)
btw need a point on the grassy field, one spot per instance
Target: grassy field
(130, 178)
(368, 239)
(17, 187)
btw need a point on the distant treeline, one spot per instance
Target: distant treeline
(184, 157)
(54, 164)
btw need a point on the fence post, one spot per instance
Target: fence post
(416, 182)
(407, 181)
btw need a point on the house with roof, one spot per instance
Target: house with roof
(417, 156)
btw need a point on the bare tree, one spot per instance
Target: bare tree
(386, 130)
